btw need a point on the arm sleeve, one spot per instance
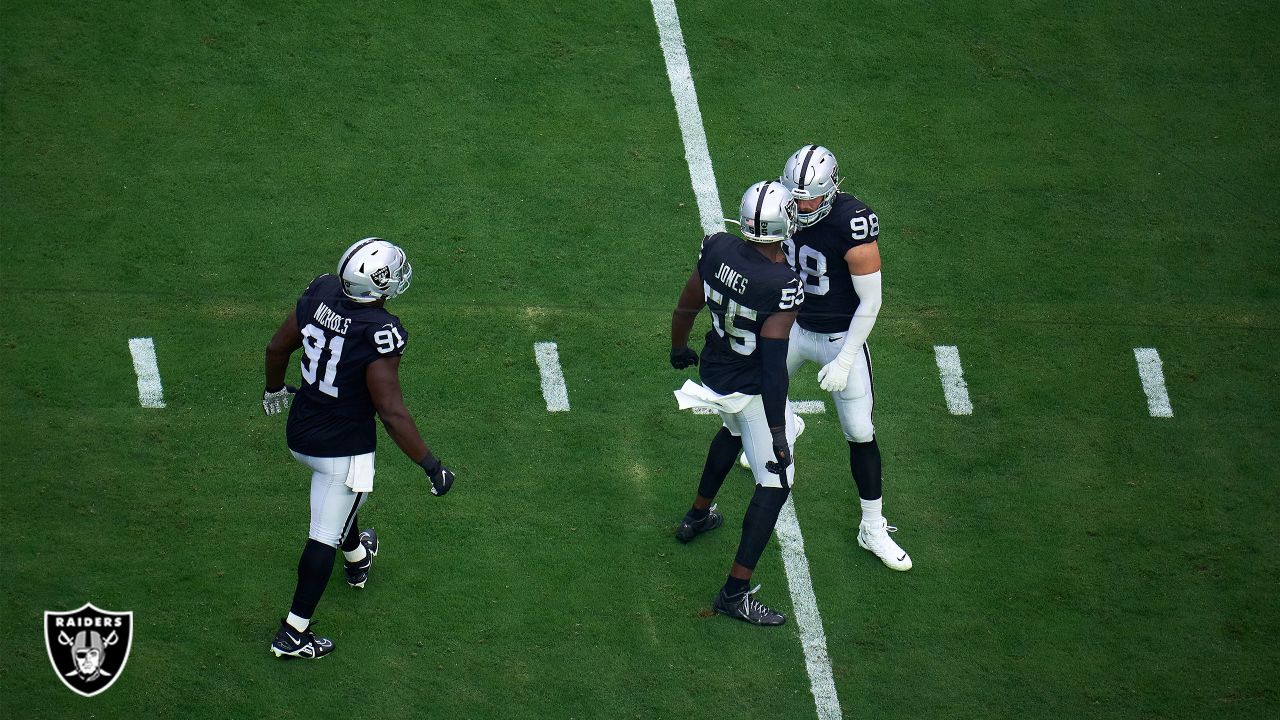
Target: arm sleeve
(864, 318)
(774, 380)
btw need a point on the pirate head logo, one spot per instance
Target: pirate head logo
(88, 647)
(381, 277)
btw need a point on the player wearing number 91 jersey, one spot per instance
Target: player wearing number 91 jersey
(350, 372)
(332, 414)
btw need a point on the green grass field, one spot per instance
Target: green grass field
(1056, 187)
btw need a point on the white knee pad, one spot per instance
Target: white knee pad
(855, 418)
(860, 432)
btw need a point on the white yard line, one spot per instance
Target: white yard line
(952, 375)
(554, 390)
(1151, 370)
(805, 609)
(696, 154)
(808, 407)
(150, 391)
(805, 604)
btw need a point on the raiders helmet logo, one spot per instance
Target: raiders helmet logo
(381, 277)
(88, 647)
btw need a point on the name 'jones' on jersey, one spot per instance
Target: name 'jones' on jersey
(743, 288)
(818, 254)
(333, 413)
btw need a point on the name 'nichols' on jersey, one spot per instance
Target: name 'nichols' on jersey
(332, 414)
(817, 254)
(743, 289)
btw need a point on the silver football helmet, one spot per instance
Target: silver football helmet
(812, 172)
(767, 213)
(372, 269)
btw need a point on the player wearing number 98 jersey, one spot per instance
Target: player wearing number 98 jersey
(836, 252)
(350, 372)
(752, 296)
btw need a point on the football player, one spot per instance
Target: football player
(836, 252)
(350, 372)
(752, 295)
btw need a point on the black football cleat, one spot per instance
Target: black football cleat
(358, 572)
(746, 608)
(305, 644)
(690, 528)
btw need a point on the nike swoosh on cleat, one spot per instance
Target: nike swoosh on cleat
(904, 557)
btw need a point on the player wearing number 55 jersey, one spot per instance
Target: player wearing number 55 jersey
(752, 296)
(837, 254)
(350, 372)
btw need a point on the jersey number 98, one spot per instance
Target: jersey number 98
(864, 227)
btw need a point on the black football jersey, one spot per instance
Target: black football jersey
(332, 414)
(817, 254)
(743, 289)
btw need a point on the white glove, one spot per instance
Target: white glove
(274, 403)
(834, 376)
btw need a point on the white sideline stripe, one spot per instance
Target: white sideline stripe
(953, 379)
(554, 390)
(1151, 370)
(150, 391)
(799, 407)
(701, 175)
(812, 639)
(805, 608)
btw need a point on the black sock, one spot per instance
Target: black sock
(352, 540)
(757, 524)
(314, 568)
(864, 462)
(735, 586)
(696, 514)
(721, 456)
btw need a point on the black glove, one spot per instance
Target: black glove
(683, 357)
(781, 451)
(440, 476)
(277, 401)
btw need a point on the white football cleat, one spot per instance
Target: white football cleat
(742, 457)
(875, 537)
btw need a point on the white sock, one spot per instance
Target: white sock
(355, 555)
(871, 510)
(298, 623)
